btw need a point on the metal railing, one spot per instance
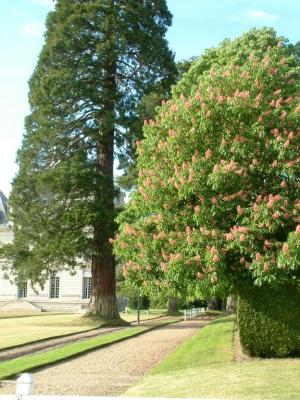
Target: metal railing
(192, 313)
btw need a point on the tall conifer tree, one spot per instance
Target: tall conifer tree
(99, 58)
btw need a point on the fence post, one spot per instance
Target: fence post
(24, 386)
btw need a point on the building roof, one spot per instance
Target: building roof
(3, 209)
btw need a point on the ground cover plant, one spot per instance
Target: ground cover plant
(204, 367)
(217, 206)
(30, 362)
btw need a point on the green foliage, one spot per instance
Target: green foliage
(98, 61)
(146, 111)
(133, 302)
(269, 320)
(218, 189)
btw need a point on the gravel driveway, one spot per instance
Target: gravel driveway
(111, 370)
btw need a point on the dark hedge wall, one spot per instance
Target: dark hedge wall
(269, 320)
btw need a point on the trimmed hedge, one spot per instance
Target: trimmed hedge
(269, 320)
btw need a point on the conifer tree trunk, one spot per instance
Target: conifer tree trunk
(103, 300)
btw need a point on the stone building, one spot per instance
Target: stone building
(62, 292)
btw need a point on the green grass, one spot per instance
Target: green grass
(27, 363)
(18, 329)
(21, 330)
(204, 367)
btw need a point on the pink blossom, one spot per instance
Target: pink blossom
(283, 184)
(286, 144)
(197, 209)
(278, 103)
(187, 104)
(239, 209)
(268, 244)
(276, 215)
(197, 259)
(229, 236)
(172, 133)
(282, 61)
(285, 248)
(242, 238)
(200, 275)
(208, 153)
(258, 256)
(266, 267)
(298, 229)
(214, 200)
(288, 100)
(188, 230)
(215, 258)
(216, 168)
(164, 266)
(241, 229)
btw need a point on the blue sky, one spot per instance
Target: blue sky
(197, 24)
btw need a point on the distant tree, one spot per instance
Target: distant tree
(99, 59)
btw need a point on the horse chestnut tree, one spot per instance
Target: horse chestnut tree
(218, 192)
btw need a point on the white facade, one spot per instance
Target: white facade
(62, 292)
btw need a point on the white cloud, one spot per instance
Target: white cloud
(35, 29)
(44, 3)
(261, 15)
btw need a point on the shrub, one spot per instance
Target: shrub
(269, 320)
(144, 302)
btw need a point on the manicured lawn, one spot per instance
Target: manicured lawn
(15, 331)
(204, 367)
(19, 328)
(30, 362)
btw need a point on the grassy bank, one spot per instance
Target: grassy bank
(204, 367)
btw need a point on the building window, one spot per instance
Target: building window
(22, 290)
(87, 287)
(54, 287)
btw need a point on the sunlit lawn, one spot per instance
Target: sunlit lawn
(203, 367)
(19, 328)
(15, 331)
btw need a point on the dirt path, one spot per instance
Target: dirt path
(111, 370)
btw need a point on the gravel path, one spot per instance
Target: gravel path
(51, 343)
(46, 344)
(111, 370)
